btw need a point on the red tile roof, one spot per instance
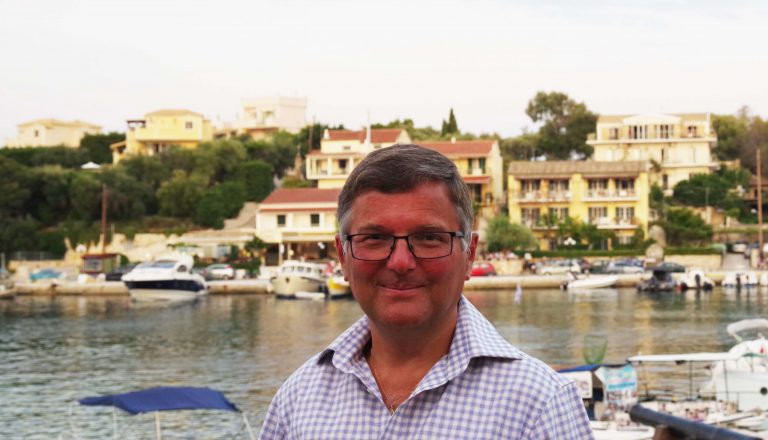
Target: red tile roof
(477, 179)
(302, 195)
(460, 148)
(378, 135)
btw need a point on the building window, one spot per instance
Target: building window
(314, 219)
(188, 125)
(346, 148)
(530, 216)
(625, 214)
(638, 131)
(597, 215)
(281, 220)
(613, 133)
(625, 187)
(343, 164)
(692, 131)
(37, 133)
(597, 187)
(665, 131)
(558, 213)
(481, 164)
(664, 181)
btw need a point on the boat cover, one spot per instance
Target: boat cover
(687, 357)
(746, 324)
(164, 399)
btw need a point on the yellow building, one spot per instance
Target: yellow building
(480, 164)
(676, 145)
(51, 133)
(159, 130)
(298, 222)
(611, 195)
(341, 150)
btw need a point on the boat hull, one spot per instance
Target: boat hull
(166, 290)
(593, 282)
(286, 286)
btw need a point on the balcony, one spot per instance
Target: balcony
(614, 222)
(607, 195)
(543, 196)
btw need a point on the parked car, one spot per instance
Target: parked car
(219, 272)
(669, 266)
(117, 274)
(47, 274)
(739, 247)
(599, 266)
(558, 267)
(625, 266)
(483, 269)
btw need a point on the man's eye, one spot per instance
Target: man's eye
(374, 237)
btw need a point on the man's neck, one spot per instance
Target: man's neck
(393, 347)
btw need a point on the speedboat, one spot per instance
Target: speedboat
(299, 276)
(582, 282)
(660, 281)
(7, 286)
(166, 279)
(739, 375)
(157, 400)
(695, 279)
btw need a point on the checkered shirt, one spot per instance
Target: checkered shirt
(483, 389)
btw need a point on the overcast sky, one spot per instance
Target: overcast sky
(106, 61)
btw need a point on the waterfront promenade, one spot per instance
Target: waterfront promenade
(262, 286)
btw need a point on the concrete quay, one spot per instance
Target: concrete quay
(117, 288)
(262, 286)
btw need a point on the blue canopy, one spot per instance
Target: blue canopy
(164, 399)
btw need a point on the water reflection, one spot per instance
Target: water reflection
(56, 350)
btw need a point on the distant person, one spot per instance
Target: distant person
(422, 363)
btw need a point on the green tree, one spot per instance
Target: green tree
(731, 135)
(293, 182)
(179, 196)
(18, 234)
(503, 235)
(279, 151)
(14, 187)
(256, 177)
(523, 147)
(219, 203)
(450, 126)
(85, 197)
(225, 156)
(565, 125)
(126, 195)
(684, 228)
(49, 185)
(97, 146)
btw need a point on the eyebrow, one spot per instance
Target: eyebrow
(421, 228)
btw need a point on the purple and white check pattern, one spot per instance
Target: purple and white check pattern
(483, 389)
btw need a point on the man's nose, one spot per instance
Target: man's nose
(401, 259)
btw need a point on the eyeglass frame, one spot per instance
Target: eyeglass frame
(453, 234)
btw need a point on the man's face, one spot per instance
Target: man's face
(404, 292)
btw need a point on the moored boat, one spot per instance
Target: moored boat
(299, 276)
(338, 287)
(695, 279)
(167, 279)
(660, 281)
(582, 282)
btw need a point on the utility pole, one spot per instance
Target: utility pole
(103, 219)
(759, 209)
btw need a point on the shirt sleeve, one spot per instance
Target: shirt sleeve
(563, 417)
(274, 427)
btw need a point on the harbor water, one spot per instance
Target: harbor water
(55, 350)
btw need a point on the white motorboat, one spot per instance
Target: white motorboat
(585, 282)
(695, 279)
(299, 276)
(167, 279)
(739, 375)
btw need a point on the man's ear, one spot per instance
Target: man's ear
(340, 253)
(471, 252)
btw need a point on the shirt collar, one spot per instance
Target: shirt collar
(474, 337)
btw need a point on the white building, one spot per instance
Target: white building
(263, 116)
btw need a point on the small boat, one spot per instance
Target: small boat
(695, 279)
(155, 400)
(338, 287)
(660, 281)
(167, 279)
(299, 276)
(585, 282)
(7, 286)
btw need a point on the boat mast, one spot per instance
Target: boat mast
(103, 220)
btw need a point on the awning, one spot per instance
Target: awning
(477, 179)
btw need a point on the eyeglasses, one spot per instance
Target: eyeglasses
(423, 245)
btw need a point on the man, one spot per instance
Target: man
(422, 363)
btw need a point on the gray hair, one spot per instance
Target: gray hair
(401, 168)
